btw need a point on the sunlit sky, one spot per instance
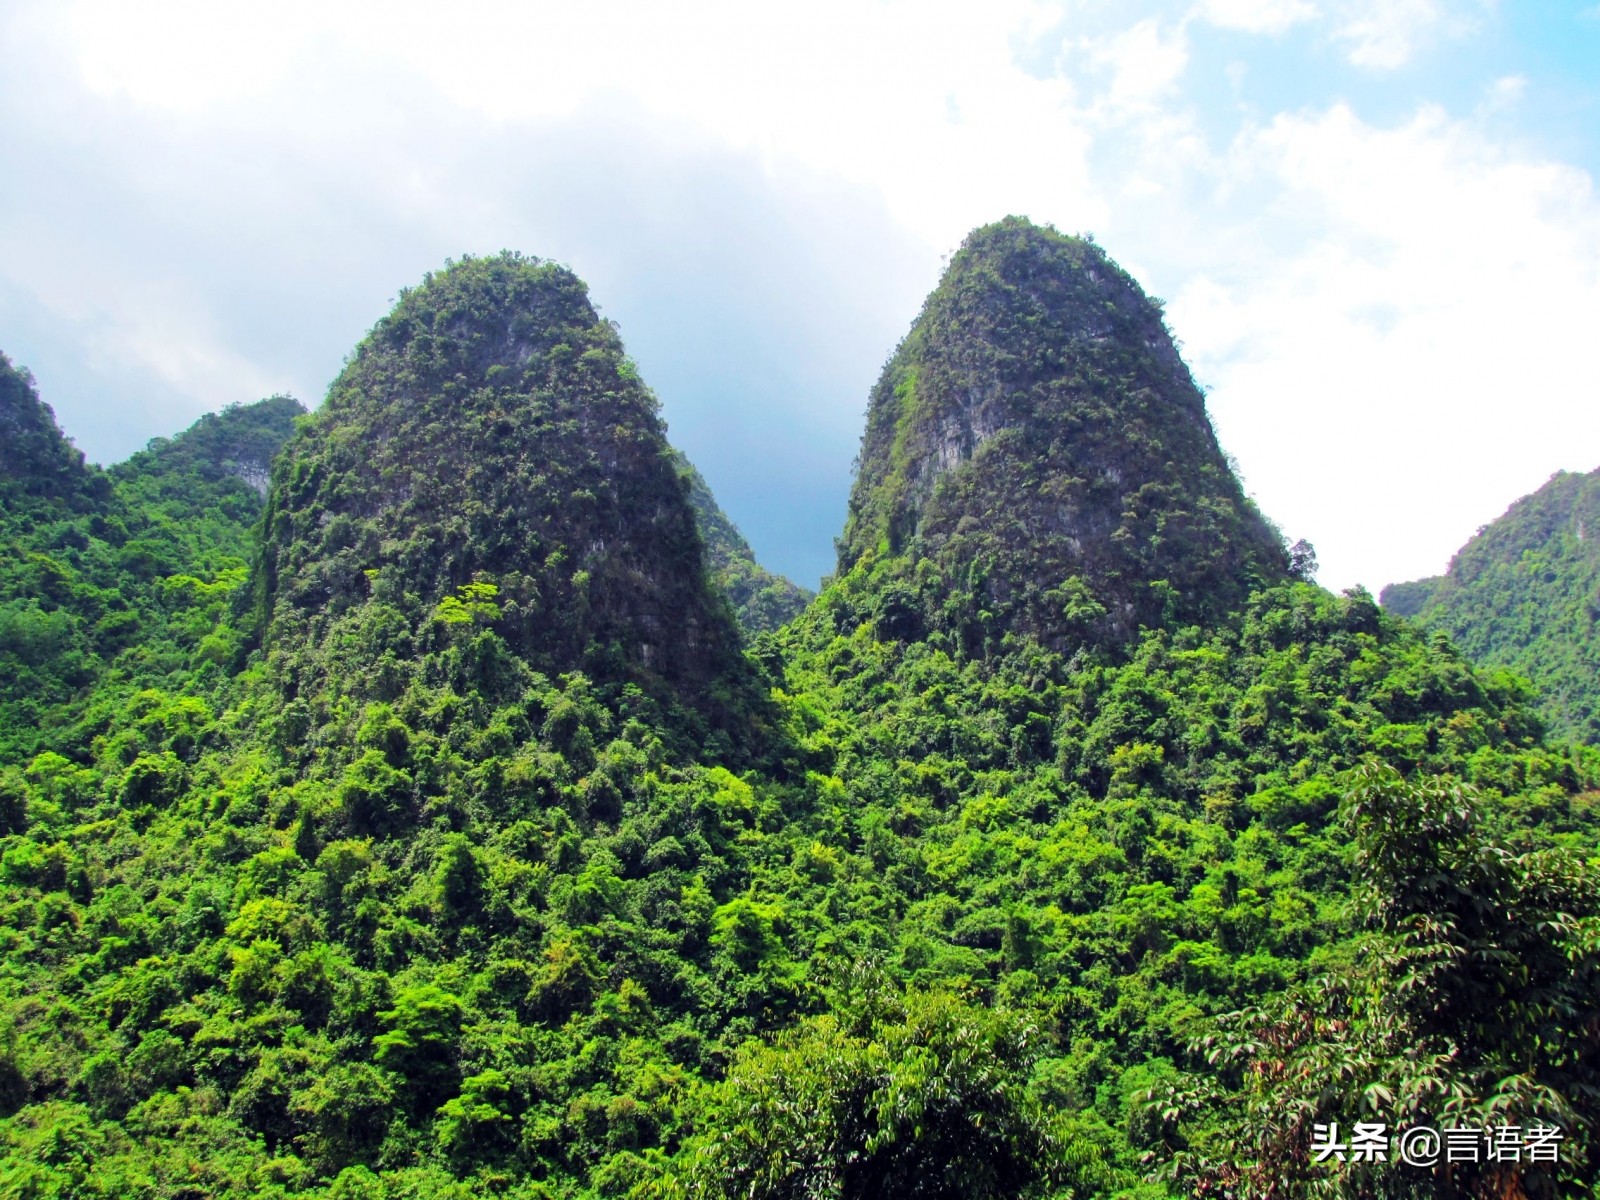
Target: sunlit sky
(1374, 222)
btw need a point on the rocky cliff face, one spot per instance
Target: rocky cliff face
(1037, 438)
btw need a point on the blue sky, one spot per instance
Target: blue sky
(1375, 224)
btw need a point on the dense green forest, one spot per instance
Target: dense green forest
(1525, 594)
(430, 827)
(121, 580)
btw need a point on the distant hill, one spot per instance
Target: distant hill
(238, 443)
(1525, 594)
(105, 573)
(761, 600)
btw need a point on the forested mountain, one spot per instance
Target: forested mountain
(490, 461)
(1066, 845)
(1038, 441)
(1524, 594)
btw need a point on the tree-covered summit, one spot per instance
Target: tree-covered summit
(1524, 594)
(489, 459)
(1037, 438)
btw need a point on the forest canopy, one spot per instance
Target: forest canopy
(430, 796)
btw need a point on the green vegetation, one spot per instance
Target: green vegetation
(1524, 594)
(489, 860)
(1038, 440)
(121, 581)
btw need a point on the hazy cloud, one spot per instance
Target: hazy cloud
(1385, 34)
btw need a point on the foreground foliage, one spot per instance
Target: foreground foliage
(1472, 1003)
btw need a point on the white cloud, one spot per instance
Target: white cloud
(864, 92)
(1420, 354)
(1385, 34)
(1504, 93)
(1143, 65)
(1257, 16)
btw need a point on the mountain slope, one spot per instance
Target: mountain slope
(37, 462)
(1038, 440)
(1524, 594)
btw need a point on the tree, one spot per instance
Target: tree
(420, 1045)
(1472, 1001)
(919, 1094)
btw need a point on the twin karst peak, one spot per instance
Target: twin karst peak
(1035, 436)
